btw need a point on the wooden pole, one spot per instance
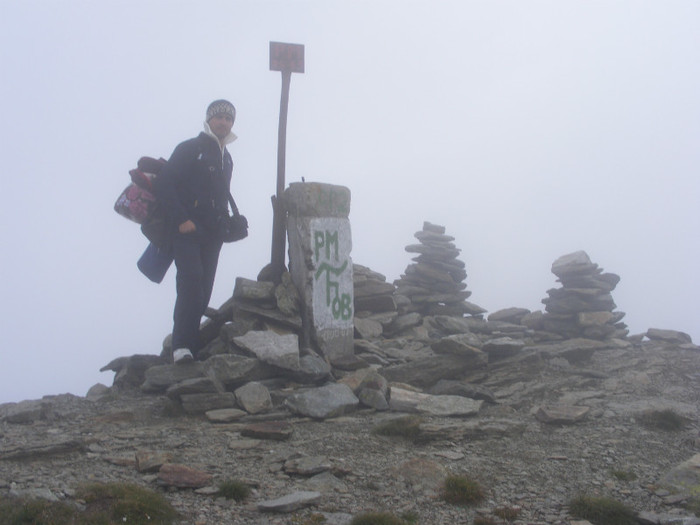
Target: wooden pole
(287, 58)
(277, 256)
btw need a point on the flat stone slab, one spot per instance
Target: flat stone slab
(290, 502)
(195, 385)
(272, 430)
(443, 406)
(307, 465)
(50, 449)
(669, 336)
(509, 315)
(224, 415)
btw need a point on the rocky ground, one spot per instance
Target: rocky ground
(519, 451)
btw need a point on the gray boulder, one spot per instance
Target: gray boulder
(254, 398)
(160, 378)
(509, 315)
(270, 347)
(233, 371)
(325, 402)
(668, 336)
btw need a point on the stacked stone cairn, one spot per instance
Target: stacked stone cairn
(583, 306)
(434, 283)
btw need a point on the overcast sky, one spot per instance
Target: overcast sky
(529, 129)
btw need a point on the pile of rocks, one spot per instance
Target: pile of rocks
(372, 293)
(375, 303)
(255, 358)
(583, 306)
(434, 283)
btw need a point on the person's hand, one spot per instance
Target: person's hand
(187, 227)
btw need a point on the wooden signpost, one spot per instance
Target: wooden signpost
(287, 58)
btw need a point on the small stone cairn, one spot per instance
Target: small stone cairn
(583, 306)
(434, 283)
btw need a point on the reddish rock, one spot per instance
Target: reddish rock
(274, 430)
(181, 476)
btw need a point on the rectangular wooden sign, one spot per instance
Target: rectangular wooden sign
(286, 57)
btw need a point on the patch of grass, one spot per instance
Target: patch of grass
(378, 518)
(602, 511)
(693, 505)
(235, 490)
(105, 504)
(507, 513)
(20, 511)
(666, 419)
(126, 502)
(623, 475)
(407, 427)
(410, 517)
(461, 490)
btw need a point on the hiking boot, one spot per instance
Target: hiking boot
(182, 356)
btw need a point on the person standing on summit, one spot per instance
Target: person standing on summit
(193, 188)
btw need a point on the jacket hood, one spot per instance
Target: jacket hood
(226, 140)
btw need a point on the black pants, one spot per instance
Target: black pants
(196, 260)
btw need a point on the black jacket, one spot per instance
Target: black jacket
(195, 184)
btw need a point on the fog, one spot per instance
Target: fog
(528, 129)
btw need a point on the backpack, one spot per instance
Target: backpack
(137, 202)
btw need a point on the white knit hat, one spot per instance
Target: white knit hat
(221, 106)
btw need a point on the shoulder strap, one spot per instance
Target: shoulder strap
(232, 202)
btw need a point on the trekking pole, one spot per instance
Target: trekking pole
(287, 58)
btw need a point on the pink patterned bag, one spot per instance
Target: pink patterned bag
(137, 202)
